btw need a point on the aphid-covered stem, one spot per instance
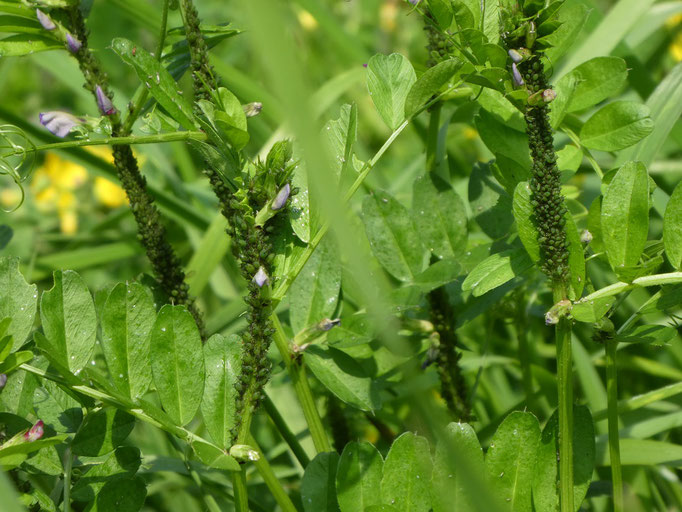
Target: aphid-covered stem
(151, 232)
(202, 72)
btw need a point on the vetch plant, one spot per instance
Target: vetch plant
(456, 287)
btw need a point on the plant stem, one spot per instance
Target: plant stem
(241, 495)
(614, 435)
(565, 387)
(271, 480)
(296, 371)
(114, 141)
(68, 465)
(285, 432)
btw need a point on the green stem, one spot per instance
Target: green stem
(614, 435)
(113, 141)
(68, 465)
(296, 371)
(565, 387)
(143, 93)
(432, 138)
(271, 480)
(285, 432)
(241, 495)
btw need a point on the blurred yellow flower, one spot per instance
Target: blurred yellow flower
(388, 15)
(676, 47)
(307, 20)
(469, 133)
(109, 193)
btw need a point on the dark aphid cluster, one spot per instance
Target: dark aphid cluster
(525, 30)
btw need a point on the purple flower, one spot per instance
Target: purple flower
(104, 103)
(414, 2)
(73, 43)
(515, 56)
(59, 123)
(35, 432)
(516, 76)
(327, 324)
(45, 20)
(548, 95)
(281, 199)
(3, 380)
(261, 277)
(253, 109)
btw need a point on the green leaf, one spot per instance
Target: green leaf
(440, 216)
(490, 204)
(430, 84)
(576, 255)
(314, 294)
(625, 215)
(13, 361)
(56, 408)
(502, 139)
(21, 25)
(666, 107)
(510, 460)
(231, 120)
(299, 211)
(213, 457)
(222, 357)
(572, 17)
(407, 474)
(389, 79)
(358, 477)
(656, 335)
(177, 362)
(589, 311)
(392, 236)
(127, 320)
(441, 12)
(496, 270)
(523, 214)
(69, 321)
(18, 301)
(616, 126)
(439, 274)
(596, 80)
(343, 376)
(641, 452)
(340, 136)
(6, 234)
(317, 487)
(20, 45)
(125, 461)
(545, 483)
(102, 432)
(159, 82)
(121, 495)
(672, 228)
(12, 456)
(449, 494)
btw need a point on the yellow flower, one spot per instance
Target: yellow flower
(676, 47)
(307, 20)
(109, 193)
(68, 222)
(387, 15)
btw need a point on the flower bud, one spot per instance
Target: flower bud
(327, 324)
(585, 236)
(281, 198)
(261, 277)
(35, 432)
(3, 380)
(45, 20)
(73, 43)
(105, 105)
(59, 123)
(243, 452)
(516, 76)
(515, 56)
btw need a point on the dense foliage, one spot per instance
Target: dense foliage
(389, 255)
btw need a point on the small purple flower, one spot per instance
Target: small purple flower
(327, 324)
(73, 43)
(59, 123)
(45, 20)
(515, 56)
(414, 2)
(104, 103)
(516, 76)
(35, 432)
(261, 277)
(281, 199)
(3, 380)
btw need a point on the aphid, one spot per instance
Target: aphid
(134, 50)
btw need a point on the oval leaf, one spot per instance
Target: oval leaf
(317, 488)
(523, 214)
(596, 80)
(102, 432)
(616, 126)
(18, 301)
(389, 79)
(69, 321)
(625, 215)
(496, 270)
(127, 320)
(510, 460)
(407, 474)
(430, 83)
(222, 357)
(392, 236)
(672, 228)
(177, 363)
(358, 477)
